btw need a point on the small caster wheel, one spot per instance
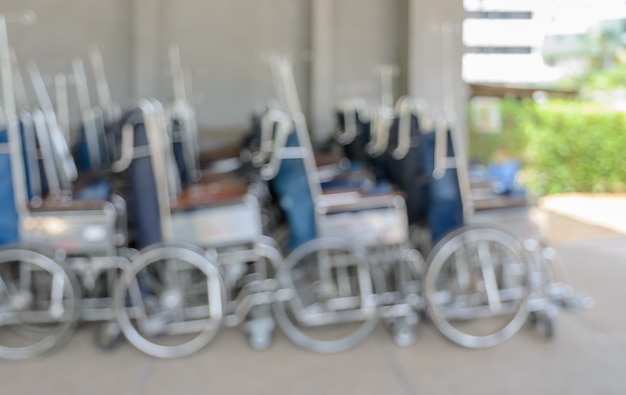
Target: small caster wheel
(108, 336)
(405, 336)
(260, 333)
(543, 321)
(261, 342)
(404, 329)
(546, 325)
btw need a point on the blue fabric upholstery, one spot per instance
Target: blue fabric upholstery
(9, 232)
(444, 203)
(82, 156)
(409, 173)
(355, 150)
(437, 203)
(503, 175)
(293, 191)
(179, 154)
(42, 172)
(81, 152)
(143, 202)
(28, 141)
(101, 189)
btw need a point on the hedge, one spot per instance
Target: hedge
(573, 147)
(509, 139)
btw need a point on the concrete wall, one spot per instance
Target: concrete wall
(65, 29)
(335, 45)
(435, 54)
(351, 40)
(368, 34)
(227, 43)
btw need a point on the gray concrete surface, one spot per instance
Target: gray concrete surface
(224, 43)
(587, 356)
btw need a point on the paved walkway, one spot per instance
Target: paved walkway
(602, 210)
(587, 356)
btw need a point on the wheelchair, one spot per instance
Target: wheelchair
(481, 283)
(61, 254)
(350, 262)
(205, 260)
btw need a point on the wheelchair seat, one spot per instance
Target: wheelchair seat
(51, 204)
(217, 192)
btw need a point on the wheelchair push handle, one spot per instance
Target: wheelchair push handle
(381, 123)
(353, 110)
(269, 122)
(384, 117)
(283, 126)
(146, 110)
(406, 108)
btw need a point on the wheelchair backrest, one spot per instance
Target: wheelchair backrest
(9, 231)
(9, 221)
(93, 149)
(153, 180)
(295, 180)
(185, 148)
(292, 186)
(32, 165)
(144, 203)
(355, 148)
(408, 158)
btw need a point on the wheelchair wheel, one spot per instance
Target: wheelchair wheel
(170, 301)
(334, 306)
(40, 303)
(476, 286)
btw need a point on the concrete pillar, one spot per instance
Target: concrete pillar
(435, 68)
(433, 75)
(146, 18)
(322, 102)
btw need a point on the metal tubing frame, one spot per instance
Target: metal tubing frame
(63, 159)
(182, 110)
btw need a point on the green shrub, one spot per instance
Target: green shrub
(573, 147)
(485, 145)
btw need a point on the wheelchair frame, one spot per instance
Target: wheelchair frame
(381, 290)
(540, 286)
(216, 251)
(76, 243)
